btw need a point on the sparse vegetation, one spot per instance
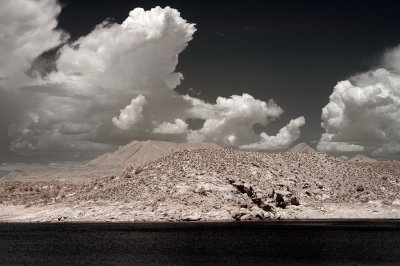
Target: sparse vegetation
(127, 173)
(369, 169)
(138, 170)
(364, 199)
(203, 191)
(359, 187)
(30, 194)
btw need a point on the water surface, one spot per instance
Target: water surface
(229, 243)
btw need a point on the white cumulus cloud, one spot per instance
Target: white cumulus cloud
(229, 121)
(178, 127)
(131, 114)
(363, 113)
(285, 137)
(113, 85)
(97, 81)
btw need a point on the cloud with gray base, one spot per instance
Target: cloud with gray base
(363, 113)
(117, 82)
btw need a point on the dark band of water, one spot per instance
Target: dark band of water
(229, 243)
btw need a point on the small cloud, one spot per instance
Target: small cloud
(285, 137)
(131, 114)
(178, 127)
(249, 28)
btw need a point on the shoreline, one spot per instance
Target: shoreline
(118, 212)
(331, 223)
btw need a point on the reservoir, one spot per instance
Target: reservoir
(202, 243)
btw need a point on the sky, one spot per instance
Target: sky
(80, 78)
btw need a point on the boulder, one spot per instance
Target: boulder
(294, 201)
(266, 207)
(246, 217)
(284, 198)
(194, 216)
(258, 214)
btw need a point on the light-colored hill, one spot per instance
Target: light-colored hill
(362, 158)
(215, 184)
(301, 148)
(139, 152)
(135, 153)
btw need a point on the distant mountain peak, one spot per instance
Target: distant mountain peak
(138, 152)
(112, 163)
(302, 148)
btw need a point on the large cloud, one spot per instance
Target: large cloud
(27, 30)
(363, 114)
(117, 84)
(115, 67)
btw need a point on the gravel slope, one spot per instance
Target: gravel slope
(219, 184)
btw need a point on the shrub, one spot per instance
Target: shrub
(359, 187)
(202, 191)
(45, 197)
(127, 173)
(365, 200)
(138, 170)
(61, 194)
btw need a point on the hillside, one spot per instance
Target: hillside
(135, 153)
(362, 158)
(217, 184)
(139, 152)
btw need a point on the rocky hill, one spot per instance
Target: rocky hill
(219, 184)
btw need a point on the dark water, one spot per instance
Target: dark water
(236, 243)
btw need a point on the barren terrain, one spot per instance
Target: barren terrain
(210, 184)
